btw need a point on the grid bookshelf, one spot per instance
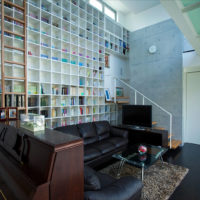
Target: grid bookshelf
(65, 61)
(116, 38)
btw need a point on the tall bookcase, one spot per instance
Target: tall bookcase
(13, 54)
(65, 62)
(116, 38)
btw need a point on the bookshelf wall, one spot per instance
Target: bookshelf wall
(116, 38)
(13, 57)
(65, 59)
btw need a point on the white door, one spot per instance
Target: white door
(193, 108)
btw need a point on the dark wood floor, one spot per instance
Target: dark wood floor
(187, 156)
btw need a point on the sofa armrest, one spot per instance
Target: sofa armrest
(122, 189)
(118, 132)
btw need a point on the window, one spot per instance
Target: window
(103, 7)
(109, 12)
(96, 4)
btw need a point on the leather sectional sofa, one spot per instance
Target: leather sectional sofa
(99, 186)
(100, 140)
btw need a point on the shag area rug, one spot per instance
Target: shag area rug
(160, 180)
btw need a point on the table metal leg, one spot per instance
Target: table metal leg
(161, 158)
(142, 174)
(121, 164)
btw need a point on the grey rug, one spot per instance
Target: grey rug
(160, 181)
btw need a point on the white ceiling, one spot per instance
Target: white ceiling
(135, 6)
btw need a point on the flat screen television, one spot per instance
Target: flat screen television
(137, 115)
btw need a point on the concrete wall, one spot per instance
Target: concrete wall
(159, 75)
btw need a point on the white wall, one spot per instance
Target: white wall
(191, 63)
(191, 59)
(146, 18)
(118, 68)
(121, 18)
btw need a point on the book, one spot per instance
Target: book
(64, 112)
(81, 92)
(73, 91)
(44, 112)
(32, 101)
(19, 100)
(8, 100)
(15, 101)
(22, 102)
(65, 90)
(81, 111)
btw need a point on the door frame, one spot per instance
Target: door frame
(186, 71)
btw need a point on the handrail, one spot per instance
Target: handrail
(144, 97)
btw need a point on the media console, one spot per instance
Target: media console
(146, 135)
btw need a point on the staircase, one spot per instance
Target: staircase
(121, 99)
(186, 14)
(174, 143)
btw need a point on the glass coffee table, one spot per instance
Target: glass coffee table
(133, 157)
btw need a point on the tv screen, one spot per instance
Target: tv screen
(138, 115)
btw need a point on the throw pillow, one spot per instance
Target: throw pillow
(91, 181)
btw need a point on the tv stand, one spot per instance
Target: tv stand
(134, 127)
(146, 135)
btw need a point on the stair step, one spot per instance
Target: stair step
(191, 7)
(122, 102)
(122, 97)
(169, 136)
(175, 144)
(154, 123)
(158, 128)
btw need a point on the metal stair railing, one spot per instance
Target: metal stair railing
(143, 101)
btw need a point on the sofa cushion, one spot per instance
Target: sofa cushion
(10, 137)
(90, 140)
(103, 146)
(91, 180)
(72, 129)
(126, 188)
(87, 130)
(102, 129)
(90, 153)
(117, 141)
(116, 132)
(3, 128)
(12, 142)
(105, 179)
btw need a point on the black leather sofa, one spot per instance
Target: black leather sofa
(100, 140)
(98, 186)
